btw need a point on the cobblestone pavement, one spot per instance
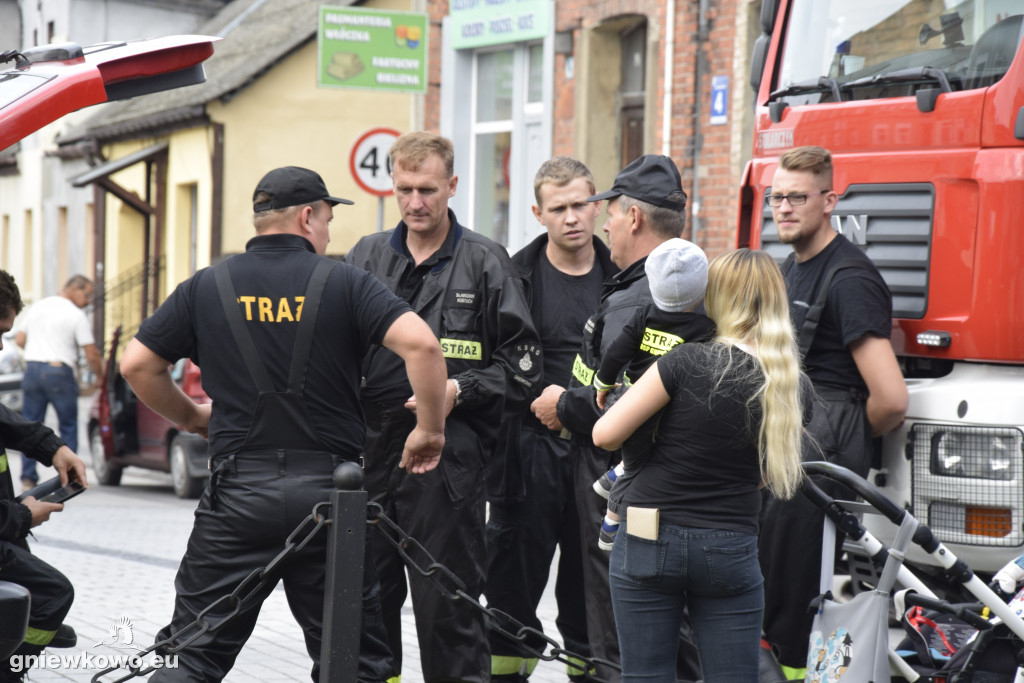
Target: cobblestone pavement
(120, 546)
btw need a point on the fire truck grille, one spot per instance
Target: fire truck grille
(968, 483)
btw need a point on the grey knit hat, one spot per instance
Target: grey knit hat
(677, 271)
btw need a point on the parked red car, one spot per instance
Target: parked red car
(124, 432)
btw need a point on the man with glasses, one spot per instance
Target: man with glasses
(860, 392)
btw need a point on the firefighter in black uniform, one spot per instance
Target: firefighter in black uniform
(562, 271)
(278, 332)
(51, 592)
(646, 206)
(465, 288)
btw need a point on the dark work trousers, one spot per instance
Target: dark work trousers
(254, 501)
(589, 463)
(52, 595)
(444, 510)
(521, 542)
(789, 548)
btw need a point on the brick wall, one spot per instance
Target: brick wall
(437, 10)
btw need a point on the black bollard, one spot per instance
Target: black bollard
(343, 590)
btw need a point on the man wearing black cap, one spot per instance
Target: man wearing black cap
(279, 332)
(464, 286)
(646, 206)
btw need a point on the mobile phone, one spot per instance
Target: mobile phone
(64, 493)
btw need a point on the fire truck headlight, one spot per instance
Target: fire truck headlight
(975, 453)
(968, 482)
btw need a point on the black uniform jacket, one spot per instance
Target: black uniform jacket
(34, 440)
(475, 305)
(621, 296)
(526, 261)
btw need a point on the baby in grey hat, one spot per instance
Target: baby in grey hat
(677, 272)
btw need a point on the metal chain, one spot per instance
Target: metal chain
(452, 587)
(250, 586)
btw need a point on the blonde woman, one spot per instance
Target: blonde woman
(731, 426)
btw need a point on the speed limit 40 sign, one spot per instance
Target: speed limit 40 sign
(370, 163)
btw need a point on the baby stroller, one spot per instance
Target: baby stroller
(981, 642)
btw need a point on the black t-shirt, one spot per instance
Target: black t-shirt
(566, 304)
(859, 304)
(704, 471)
(649, 335)
(270, 280)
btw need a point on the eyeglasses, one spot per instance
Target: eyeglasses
(795, 199)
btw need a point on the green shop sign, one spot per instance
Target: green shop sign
(372, 49)
(475, 23)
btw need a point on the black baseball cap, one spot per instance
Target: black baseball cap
(653, 178)
(293, 186)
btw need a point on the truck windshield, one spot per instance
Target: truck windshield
(869, 49)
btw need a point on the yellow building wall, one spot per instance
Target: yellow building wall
(189, 154)
(285, 119)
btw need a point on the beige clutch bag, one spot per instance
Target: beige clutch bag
(642, 522)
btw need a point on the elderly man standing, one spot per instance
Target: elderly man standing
(646, 206)
(465, 287)
(53, 331)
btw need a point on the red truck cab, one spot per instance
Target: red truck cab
(922, 106)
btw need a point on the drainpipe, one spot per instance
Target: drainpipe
(703, 30)
(666, 105)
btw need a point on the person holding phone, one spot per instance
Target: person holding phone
(52, 593)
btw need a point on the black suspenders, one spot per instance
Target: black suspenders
(805, 335)
(303, 336)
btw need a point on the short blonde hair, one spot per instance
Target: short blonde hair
(815, 160)
(560, 171)
(412, 149)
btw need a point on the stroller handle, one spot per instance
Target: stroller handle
(890, 510)
(963, 612)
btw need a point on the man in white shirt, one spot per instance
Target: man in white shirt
(53, 331)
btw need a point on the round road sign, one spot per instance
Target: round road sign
(370, 163)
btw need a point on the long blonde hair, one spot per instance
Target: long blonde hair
(746, 297)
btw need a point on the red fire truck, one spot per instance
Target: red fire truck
(922, 104)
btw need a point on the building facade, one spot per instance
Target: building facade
(142, 193)
(46, 224)
(605, 82)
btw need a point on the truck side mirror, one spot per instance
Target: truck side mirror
(769, 10)
(758, 59)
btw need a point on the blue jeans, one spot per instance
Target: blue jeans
(43, 384)
(712, 572)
